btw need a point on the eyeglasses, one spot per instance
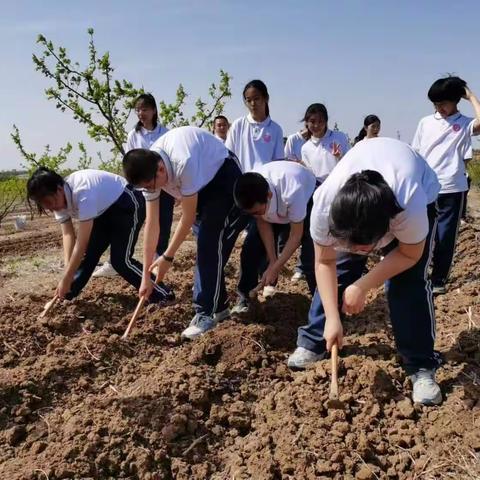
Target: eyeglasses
(346, 247)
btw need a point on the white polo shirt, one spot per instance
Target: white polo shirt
(255, 143)
(317, 153)
(192, 157)
(444, 143)
(292, 186)
(293, 147)
(89, 193)
(412, 181)
(144, 138)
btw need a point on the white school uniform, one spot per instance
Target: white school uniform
(292, 186)
(144, 138)
(412, 181)
(255, 143)
(444, 143)
(220, 138)
(293, 147)
(192, 157)
(317, 153)
(89, 193)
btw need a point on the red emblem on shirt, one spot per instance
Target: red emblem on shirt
(456, 127)
(267, 137)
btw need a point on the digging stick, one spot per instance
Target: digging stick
(48, 306)
(135, 315)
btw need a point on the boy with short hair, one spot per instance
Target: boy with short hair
(279, 196)
(443, 140)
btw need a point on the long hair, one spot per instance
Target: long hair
(369, 119)
(262, 88)
(148, 100)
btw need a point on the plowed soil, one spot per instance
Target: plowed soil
(78, 402)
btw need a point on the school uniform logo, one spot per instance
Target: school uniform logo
(267, 137)
(456, 127)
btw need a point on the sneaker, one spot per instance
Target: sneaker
(242, 306)
(439, 289)
(106, 270)
(425, 388)
(198, 326)
(223, 315)
(297, 276)
(302, 357)
(269, 291)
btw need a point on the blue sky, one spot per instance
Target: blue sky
(357, 57)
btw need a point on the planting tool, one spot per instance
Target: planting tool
(333, 401)
(255, 291)
(135, 315)
(48, 306)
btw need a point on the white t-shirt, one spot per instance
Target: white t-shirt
(192, 157)
(89, 193)
(444, 143)
(220, 138)
(292, 186)
(317, 153)
(412, 181)
(255, 143)
(144, 138)
(293, 147)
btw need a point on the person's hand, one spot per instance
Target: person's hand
(468, 94)
(63, 287)
(336, 150)
(333, 332)
(270, 276)
(159, 268)
(146, 288)
(353, 299)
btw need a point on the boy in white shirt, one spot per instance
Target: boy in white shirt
(109, 213)
(381, 195)
(443, 140)
(196, 168)
(279, 196)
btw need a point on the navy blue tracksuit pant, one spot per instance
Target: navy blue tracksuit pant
(167, 202)
(118, 227)
(219, 222)
(450, 206)
(410, 302)
(253, 259)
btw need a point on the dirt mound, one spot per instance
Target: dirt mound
(78, 402)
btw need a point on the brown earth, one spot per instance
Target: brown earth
(78, 402)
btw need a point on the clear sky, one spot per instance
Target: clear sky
(357, 57)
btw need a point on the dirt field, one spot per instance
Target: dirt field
(78, 402)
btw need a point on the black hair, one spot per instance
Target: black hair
(262, 88)
(369, 119)
(360, 213)
(219, 117)
(149, 101)
(140, 165)
(42, 182)
(249, 189)
(315, 109)
(447, 89)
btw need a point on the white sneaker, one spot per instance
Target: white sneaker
(198, 326)
(269, 291)
(297, 276)
(302, 357)
(106, 270)
(425, 388)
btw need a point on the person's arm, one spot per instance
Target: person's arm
(327, 284)
(471, 97)
(189, 211)
(294, 239)
(68, 240)
(150, 240)
(83, 236)
(403, 257)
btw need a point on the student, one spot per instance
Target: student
(109, 214)
(279, 196)
(325, 147)
(380, 196)
(146, 132)
(294, 144)
(195, 167)
(443, 140)
(370, 129)
(255, 139)
(220, 127)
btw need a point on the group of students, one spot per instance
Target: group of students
(336, 203)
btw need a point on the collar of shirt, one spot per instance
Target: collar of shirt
(451, 118)
(145, 131)
(316, 140)
(168, 165)
(265, 122)
(68, 196)
(272, 203)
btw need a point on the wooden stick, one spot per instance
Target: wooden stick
(48, 306)
(135, 315)
(334, 382)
